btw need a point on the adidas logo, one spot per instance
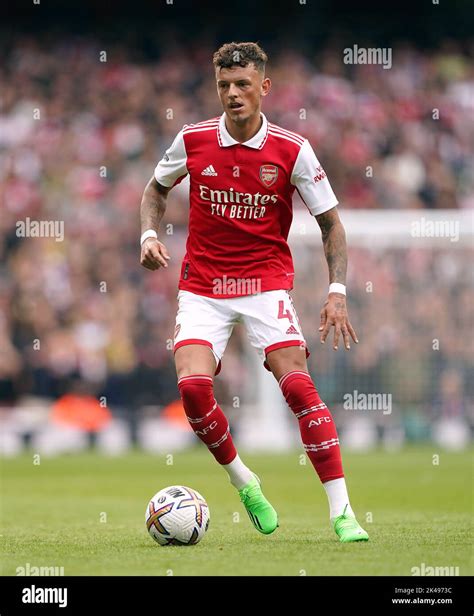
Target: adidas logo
(209, 171)
(292, 330)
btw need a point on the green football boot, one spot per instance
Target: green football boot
(261, 513)
(348, 528)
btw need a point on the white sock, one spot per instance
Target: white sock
(239, 474)
(338, 498)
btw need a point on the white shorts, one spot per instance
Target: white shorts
(270, 320)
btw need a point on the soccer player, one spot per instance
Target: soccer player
(238, 268)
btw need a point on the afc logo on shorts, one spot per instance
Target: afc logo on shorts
(177, 330)
(268, 175)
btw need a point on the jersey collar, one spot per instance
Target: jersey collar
(256, 142)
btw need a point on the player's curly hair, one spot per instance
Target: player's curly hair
(240, 54)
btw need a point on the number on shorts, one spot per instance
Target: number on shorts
(282, 313)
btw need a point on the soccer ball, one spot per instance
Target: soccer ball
(177, 515)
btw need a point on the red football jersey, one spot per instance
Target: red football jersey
(241, 204)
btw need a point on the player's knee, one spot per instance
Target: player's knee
(197, 394)
(297, 365)
(285, 360)
(194, 359)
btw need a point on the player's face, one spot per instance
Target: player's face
(240, 90)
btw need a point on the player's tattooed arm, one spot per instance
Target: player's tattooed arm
(154, 253)
(334, 242)
(334, 312)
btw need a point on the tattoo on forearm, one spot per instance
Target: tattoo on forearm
(152, 209)
(335, 248)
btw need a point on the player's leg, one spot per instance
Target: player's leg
(317, 428)
(319, 436)
(278, 334)
(195, 367)
(203, 327)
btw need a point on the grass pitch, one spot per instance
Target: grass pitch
(86, 513)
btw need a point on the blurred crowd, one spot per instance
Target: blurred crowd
(81, 129)
(413, 311)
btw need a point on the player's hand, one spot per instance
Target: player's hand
(154, 254)
(334, 313)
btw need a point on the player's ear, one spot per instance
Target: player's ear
(266, 85)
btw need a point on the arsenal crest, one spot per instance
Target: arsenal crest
(268, 175)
